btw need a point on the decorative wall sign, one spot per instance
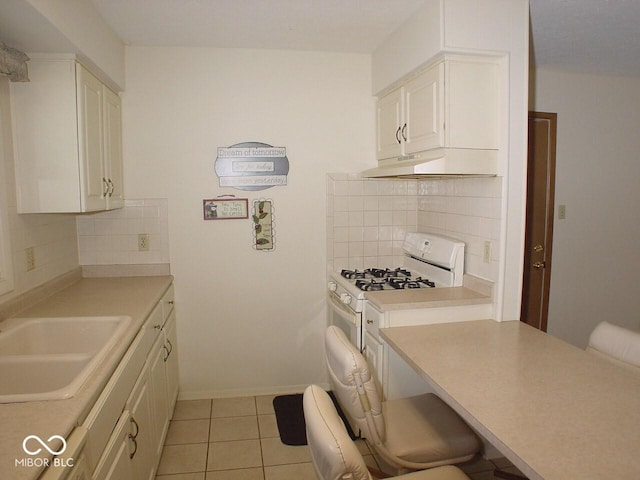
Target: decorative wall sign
(264, 236)
(252, 166)
(225, 208)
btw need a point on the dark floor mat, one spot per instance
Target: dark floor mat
(290, 418)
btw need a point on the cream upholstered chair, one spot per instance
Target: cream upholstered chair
(411, 433)
(617, 344)
(335, 456)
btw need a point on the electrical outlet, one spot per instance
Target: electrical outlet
(487, 252)
(562, 212)
(143, 242)
(30, 255)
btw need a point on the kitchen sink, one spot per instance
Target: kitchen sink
(51, 358)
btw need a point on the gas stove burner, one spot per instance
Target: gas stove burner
(404, 283)
(386, 273)
(370, 285)
(352, 274)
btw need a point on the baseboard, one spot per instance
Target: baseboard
(245, 392)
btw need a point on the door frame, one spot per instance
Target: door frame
(549, 221)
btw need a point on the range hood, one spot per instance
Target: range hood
(453, 162)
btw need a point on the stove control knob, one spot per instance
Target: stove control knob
(345, 298)
(332, 286)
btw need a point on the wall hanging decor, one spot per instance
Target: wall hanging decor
(252, 166)
(264, 235)
(225, 208)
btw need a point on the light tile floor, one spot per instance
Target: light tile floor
(237, 439)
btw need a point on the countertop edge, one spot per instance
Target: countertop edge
(136, 297)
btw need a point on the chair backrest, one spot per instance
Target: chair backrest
(333, 454)
(617, 344)
(353, 385)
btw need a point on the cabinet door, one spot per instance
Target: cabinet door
(159, 399)
(141, 429)
(373, 353)
(115, 463)
(113, 149)
(389, 113)
(171, 364)
(90, 140)
(80, 470)
(424, 105)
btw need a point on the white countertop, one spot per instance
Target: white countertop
(406, 299)
(132, 296)
(557, 412)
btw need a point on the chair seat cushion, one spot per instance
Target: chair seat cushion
(424, 429)
(438, 473)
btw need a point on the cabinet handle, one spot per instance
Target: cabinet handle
(369, 321)
(111, 187)
(398, 135)
(167, 352)
(135, 446)
(105, 186)
(133, 420)
(404, 132)
(170, 347)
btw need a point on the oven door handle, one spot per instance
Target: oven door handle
(344, 311)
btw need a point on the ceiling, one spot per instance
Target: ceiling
(591, 36)
(356, 26)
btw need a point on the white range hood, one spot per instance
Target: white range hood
(438, 162)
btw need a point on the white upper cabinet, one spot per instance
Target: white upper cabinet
(451, 104)
(67, 139)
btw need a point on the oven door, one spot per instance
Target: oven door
(345, 318)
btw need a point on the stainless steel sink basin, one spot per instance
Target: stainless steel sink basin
(51, 358)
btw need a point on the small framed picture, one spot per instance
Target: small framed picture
(225, 208)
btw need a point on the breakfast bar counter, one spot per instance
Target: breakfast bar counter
(556, 411)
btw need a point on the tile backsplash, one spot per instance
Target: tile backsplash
(368, 218)
(111, 238)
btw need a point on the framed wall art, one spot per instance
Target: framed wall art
(225, 208)
(264, 237)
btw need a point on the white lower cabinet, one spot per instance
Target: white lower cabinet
(126, 428)
(141, 429)
(171, 362)
(395, 377)
(158, 393)
(115, 463)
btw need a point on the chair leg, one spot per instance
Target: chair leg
(508, 476)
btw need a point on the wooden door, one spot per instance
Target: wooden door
(539, 223)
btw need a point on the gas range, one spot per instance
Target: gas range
(377, 279)
(429, 261)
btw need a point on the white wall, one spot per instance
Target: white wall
(249, 321)
(93, 39)
(595, 249)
